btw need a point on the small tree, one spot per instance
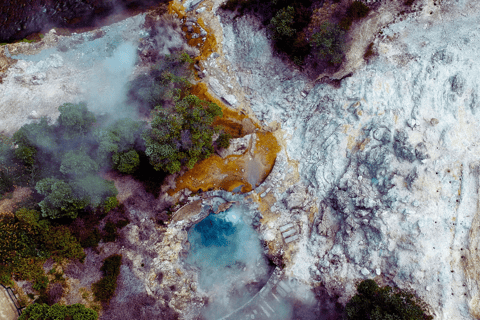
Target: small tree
(75, 119)
(126, 162)
(43, 311)
(59, 199)
(183, 136)
(223, 140)
(373, 302)
(329, 43)
(281, 23)
(77, 163)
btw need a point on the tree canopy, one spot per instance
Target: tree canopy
(43, 311)
(377, 303)
(182, 136)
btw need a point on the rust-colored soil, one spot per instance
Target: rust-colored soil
(234, 171)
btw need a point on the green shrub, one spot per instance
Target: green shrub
(223, 140)
(59, 199)
(26, 242)
(111, 233)
(41, 283)
(75, 119)
(109, 204)
(169, 78)
(181, 137)
(126, 162)
(77, 163)
(329, 43)
(281, 23)
(121, 136)
(374, 302)
(39, 311)
(357, 10)
(94, 190)
(104, 289)
(92, 239)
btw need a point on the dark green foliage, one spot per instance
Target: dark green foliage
(183, 136)
(92, 239)
(369, 51)
(376, 303)
(32, 137)
(41, 283)
(357, 10)
(77, 311)
(104, 289)
(121, 136)
(223, 140)
(109, 204)
(26, 242)
(94, 191)
(111, 230)
(328, 43)
(286, 19)
(126, 162)
(26, 154)
(166, 80)
(59, 199)
(281, 23)
(77, 163)
(75, 120)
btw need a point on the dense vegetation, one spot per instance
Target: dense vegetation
(290, 25)
(374, 302)
(43, 311)
(27, 241)
(105, 287)
(182, 124)
(62, 163)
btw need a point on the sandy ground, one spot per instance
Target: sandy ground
(7, 308)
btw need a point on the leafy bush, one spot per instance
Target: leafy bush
(166, 80)
(94, 190)
(104, 289)
(75, 120)
(374, 302)
(109, 204)
(41, 283)
(183, 136)
(111, 230)
(357, 10)
(281, 23)
(329, 42)
(223, 140)
(59, 199)
(121, 136)
(126, 162)
(26, 242)
(77, 163)
(77, 311)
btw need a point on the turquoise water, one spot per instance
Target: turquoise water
(230, 259)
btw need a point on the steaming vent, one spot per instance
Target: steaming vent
(229, 257)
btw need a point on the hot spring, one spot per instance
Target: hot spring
(229, 258)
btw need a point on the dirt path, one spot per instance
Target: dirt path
(7, 308)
